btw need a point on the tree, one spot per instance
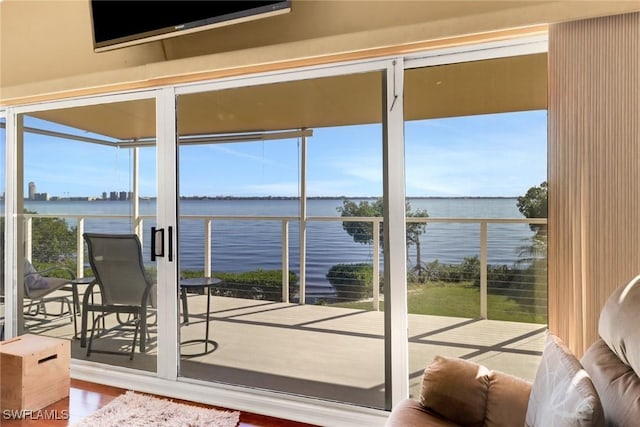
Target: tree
(362, 231)
(53, 239)
(534, 204)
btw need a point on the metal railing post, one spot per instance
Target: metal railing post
(28, 238)
(80, 248)
(376, 264)
(285, 261)
(141, 226)
(483, 270)
(207, 247)
(139, 229)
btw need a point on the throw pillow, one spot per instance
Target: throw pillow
(562, 394)
(456, 389)
(32, 279)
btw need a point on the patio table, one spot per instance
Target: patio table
(76, 298)
(198, 283)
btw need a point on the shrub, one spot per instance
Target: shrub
(351, 281)
(256, 284)
(53, 240)
(434, 271)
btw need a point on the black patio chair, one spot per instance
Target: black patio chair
(123, 286)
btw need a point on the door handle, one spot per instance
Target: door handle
(170, 230)
(157, 243)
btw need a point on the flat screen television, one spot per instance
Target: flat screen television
(121, 23)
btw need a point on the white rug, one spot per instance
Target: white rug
(139, 410)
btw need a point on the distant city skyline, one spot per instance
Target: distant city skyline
(33, 194)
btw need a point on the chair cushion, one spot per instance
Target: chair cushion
(619, 321)
(456, 389)
(562, 393)
(32, 279)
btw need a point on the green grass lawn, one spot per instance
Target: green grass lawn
(456, 300)
(460, 299)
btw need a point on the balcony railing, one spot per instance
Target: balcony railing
(207, 220)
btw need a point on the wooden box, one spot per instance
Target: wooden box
(34, 372)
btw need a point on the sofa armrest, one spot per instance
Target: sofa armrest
(456, 389)
(470, 394)
(411, 413)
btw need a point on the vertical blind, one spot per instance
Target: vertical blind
(594, 169)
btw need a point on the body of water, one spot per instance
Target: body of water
(248, 245)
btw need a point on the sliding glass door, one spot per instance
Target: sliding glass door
(280, 207)
(87, 169)
(475, 141)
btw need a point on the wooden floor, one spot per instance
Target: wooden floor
(86, 398)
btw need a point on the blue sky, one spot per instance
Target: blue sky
(486, 155)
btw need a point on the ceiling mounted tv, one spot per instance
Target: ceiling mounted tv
(120, 23)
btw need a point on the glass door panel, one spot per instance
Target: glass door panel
(88, 169)
(263, 171)
(475, 142)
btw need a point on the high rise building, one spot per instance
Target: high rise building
(32, 190)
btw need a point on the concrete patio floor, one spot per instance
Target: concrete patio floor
(314, 350)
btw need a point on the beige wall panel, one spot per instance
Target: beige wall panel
(51, 39)
(594, 164)
(477, 87)
(46, 47)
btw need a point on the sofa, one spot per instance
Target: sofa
(600, 389)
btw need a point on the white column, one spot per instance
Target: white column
(303, 217)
